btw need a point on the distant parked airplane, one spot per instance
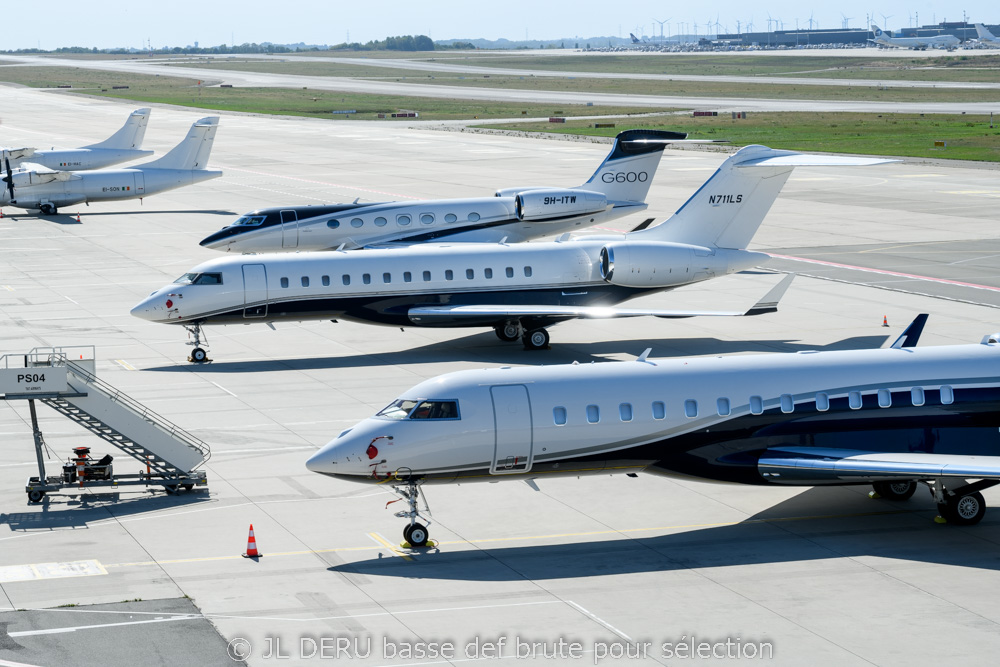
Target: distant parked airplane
(986, 37)
(919, 43)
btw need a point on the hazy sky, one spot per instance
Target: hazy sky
(105, 24)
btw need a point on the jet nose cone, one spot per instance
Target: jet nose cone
(218, 240)
(321, 461)
(151, 309)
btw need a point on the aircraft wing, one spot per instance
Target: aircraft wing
(475, 312)
(791, 463)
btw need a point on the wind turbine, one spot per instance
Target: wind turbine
(661, 26)
(885, 21)
(847, 21)
(811, 22)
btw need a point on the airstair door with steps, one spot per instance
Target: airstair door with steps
(289, 229)
(512, 415)
(254, 290)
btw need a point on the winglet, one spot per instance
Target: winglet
(769, 302)
(911, 334)
(645, 354)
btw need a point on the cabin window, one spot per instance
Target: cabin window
(380, 221)
(722, 405)
(787, 403)
(691, 408)
(917, 396)
(284, 282)
(427, 218)
(402, 220)
(347, 279)
(625, 412)
(470, 274)
(559, 416)
(333, 224)
(387, 278)
(450, 217)
(448, 275)
(884, 398)
(427, 276)
(407, 277)
(357, 222)
(473, 217)
(488, 273)
(326, 281)
(756, 405)
(436, 410)
(659, 410)
(822, 401)
(947, 395)
(305, 281)
(593, 414)
(510, 271)
(527, 272)
(854, 400)
(366, 278)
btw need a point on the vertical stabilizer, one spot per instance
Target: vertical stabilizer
(193, 151)
(628, 170)
(728, 209)
(131, 134)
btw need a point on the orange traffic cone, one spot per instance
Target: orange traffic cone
(252, 546)
(78, 217)
(885, 321)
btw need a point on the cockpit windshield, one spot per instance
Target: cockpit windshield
(199, 279)
(398, 409)
(249, 221)
(409, 409)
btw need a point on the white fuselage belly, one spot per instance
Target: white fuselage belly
(623, 416)
(107, 185)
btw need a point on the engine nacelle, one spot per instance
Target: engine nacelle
(658, 264)
(548, 204)
(26, 178)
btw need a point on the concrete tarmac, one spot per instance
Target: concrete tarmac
(611, 570)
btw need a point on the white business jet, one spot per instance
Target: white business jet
(617, 188)
(518, 289)
(122, 146)
(37, 188)
(892, 418)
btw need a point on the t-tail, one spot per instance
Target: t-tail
(627, 172)
(984, 33)
(728, 209)
(193, 151)
(130, 136)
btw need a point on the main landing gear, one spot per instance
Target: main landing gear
(48, 209)
(198, 354)
(961, 505)
(511, 330)
(415, 534)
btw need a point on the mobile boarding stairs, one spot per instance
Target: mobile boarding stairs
(64, 379)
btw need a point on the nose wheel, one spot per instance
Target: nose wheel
(198, 354)
(415, 534)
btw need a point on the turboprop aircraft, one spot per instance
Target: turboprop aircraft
(518, 289)
(617, 188)
(893, 418)
(38, 188)
(919, 43)
(122, 146)
(986, 37)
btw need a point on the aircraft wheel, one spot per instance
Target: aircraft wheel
(535, 340)
(895, 490)
(508, 331)
(416, 535)
(966, 510)
(198, 355)
(47, 209)
(187, 487)
(35, 496)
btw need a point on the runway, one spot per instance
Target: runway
(822, 576)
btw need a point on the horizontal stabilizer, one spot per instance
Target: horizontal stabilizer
(791, 463)
(807, 160)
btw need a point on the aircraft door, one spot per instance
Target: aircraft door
(512, 421)
(140, 183)
(254, 290)
(289, 229)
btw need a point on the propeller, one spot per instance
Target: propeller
(9, 179)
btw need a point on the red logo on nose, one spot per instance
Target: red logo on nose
(372, 451)
(170, 304)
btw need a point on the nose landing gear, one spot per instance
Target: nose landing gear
(415, 534)
(198, 354)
